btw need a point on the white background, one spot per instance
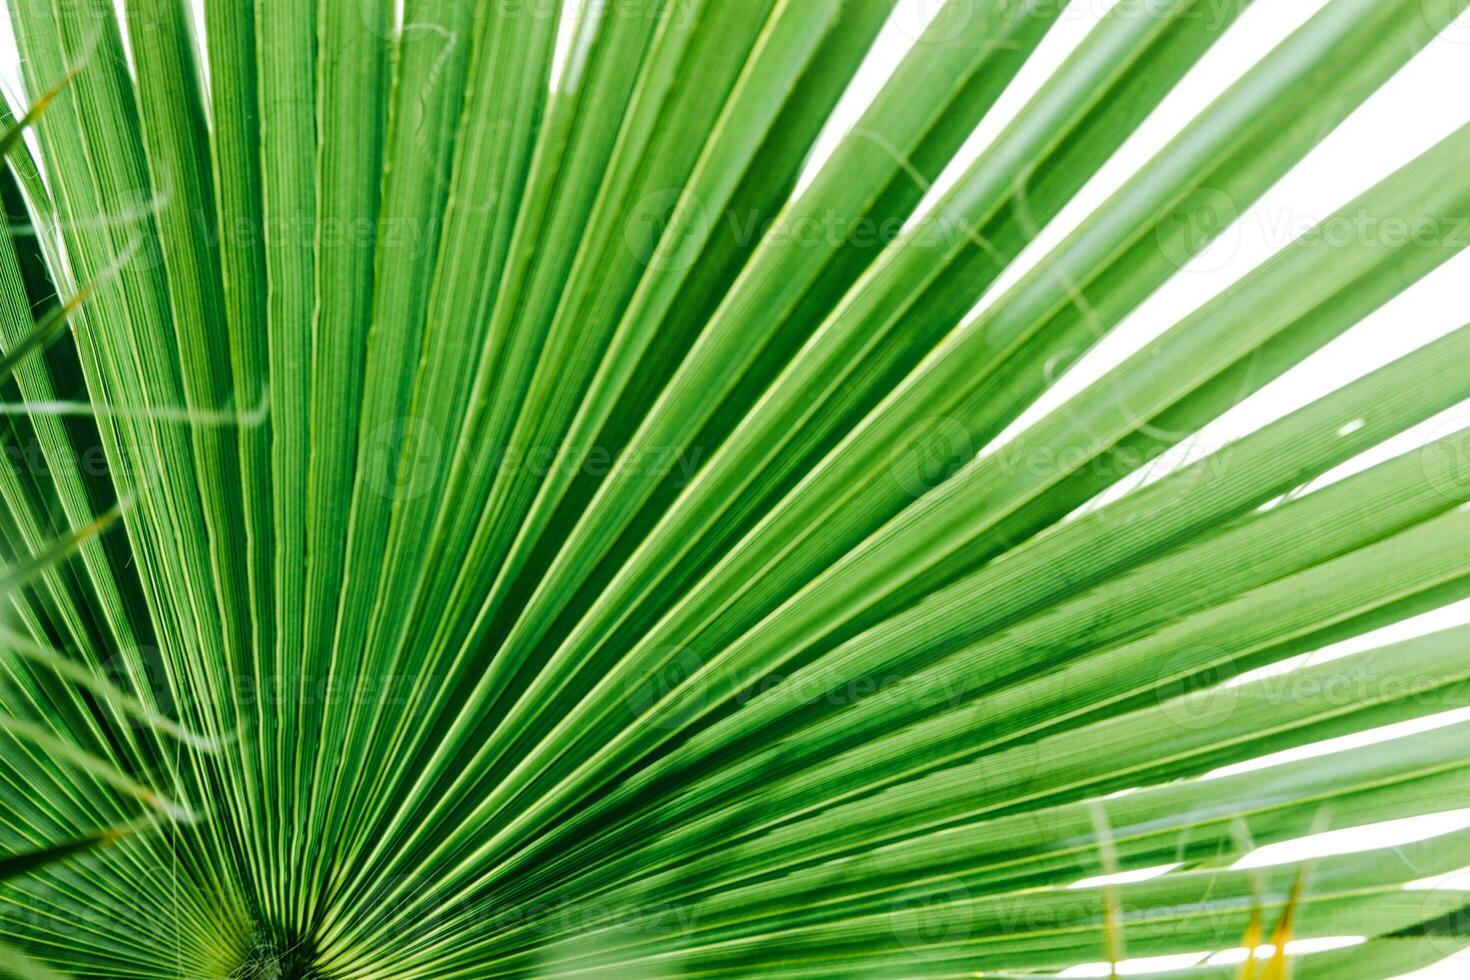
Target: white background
(1426, 102)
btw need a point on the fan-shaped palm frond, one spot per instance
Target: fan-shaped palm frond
(557, 535)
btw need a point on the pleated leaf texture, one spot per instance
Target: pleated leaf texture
(477, 503)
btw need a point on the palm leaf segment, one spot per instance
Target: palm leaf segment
(542, 555)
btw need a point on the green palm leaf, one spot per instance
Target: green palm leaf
(548, 528)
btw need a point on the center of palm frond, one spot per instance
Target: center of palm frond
(274, 960)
